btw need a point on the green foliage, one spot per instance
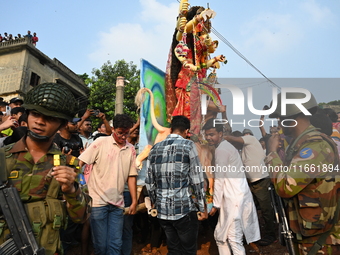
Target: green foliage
(103, 88)
(335, 102)
(84, 76)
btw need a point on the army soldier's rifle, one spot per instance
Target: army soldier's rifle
(285, 234)
(22, 239)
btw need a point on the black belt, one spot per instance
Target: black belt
(258, 181)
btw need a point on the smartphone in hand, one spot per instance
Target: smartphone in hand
(8, 111)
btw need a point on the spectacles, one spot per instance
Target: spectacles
(122, 134)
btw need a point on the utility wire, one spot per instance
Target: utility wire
(224, 40)
(221, 37)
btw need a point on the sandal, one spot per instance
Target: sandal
(147, 248)
(155, 251)
(266, 241)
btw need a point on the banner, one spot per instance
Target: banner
(153, 79)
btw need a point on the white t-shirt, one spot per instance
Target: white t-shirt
(252, 158)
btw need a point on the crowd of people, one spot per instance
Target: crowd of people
(85, 186)
(9, 37)
(24, 121)
(97, 172)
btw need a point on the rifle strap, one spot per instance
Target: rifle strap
(322, 239)
(53, 189)
(3, 171)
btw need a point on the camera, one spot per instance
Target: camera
(66, 149)
(67, 146)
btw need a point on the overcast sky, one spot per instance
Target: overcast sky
(283, 39)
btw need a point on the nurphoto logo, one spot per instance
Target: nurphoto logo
(239, 104)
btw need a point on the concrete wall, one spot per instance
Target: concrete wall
(11, 72)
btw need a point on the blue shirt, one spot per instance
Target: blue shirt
(174, 176)
(86, 141)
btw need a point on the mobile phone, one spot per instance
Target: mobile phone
(95, 113)
(8, 110)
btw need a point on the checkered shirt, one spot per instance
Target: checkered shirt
(174, 178)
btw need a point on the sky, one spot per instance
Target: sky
(282, 39)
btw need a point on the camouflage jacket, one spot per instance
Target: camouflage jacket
(309, 182)
(32, 179)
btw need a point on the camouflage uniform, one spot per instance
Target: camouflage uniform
(32, 180)
(310, 189)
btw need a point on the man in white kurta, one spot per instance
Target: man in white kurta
(232, 196)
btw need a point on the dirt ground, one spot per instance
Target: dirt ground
(206, 243)
(207, 246)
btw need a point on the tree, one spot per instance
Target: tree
(103, 88)
(84, 76)
(335, 102)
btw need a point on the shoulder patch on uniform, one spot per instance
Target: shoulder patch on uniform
(306, 152)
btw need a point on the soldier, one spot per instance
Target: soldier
(308, 179)
(48, 190)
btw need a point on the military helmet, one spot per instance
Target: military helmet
(52, 99)
(292, 109)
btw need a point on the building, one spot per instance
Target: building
(23, 66)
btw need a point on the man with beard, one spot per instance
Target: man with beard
(85, 132)
(70, 143)
(68, 140)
